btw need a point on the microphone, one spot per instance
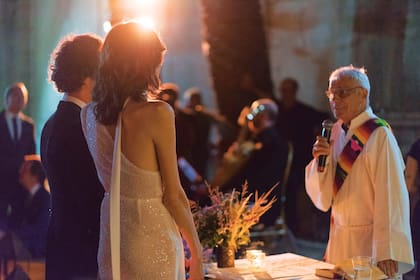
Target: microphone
(326, 133)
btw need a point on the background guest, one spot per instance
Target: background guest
(169, 92)
(299, 124)
(251, 91)
(202, 121)
(76, 193)
(412, 180)
(17, 138)
(30, 222)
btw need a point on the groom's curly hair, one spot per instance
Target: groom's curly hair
(75, 58)
(128, 68)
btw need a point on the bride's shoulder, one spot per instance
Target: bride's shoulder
(150, 112)
(159, 108)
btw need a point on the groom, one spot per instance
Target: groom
(76, 193)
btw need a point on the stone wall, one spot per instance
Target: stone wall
(406, 127)
(15, 47)
(309, 39)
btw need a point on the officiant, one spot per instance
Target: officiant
(363, 182)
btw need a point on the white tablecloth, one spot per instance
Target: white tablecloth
(282, 266)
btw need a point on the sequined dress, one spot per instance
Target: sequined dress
(150, 243)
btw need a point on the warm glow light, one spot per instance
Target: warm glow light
(147, 22)
(143, 2)
(145, 12)
(107, 26)
(135, 8)
(144, 21)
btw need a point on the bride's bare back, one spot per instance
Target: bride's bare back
(141, 130)
(148, 139)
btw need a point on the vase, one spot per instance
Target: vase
(225, 256)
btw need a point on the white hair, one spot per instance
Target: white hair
(355, 73)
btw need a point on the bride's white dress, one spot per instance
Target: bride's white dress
(150, 243)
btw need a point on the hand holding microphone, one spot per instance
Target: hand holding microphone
(321, 146)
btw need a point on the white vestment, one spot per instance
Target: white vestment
(370, 213)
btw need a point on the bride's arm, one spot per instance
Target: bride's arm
(174, 197)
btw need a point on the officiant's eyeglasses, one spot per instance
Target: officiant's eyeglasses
(340, 92)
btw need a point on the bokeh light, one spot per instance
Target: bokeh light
(107, 26)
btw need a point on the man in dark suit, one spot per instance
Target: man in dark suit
(76, 192)
(299, 124)
(17, 138)
(30, 221)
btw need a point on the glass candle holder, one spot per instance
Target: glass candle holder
(256, 258)
(362, 266)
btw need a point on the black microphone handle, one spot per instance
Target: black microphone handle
(321, 163)
(326, 133)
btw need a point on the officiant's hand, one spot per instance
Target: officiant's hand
(321, 147)
(389, 267)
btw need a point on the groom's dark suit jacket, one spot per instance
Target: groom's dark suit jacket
(11, 157)
(76, 195)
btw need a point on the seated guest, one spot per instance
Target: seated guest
(30, 222)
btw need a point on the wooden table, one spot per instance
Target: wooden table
(282, 266)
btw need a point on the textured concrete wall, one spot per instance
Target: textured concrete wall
(185, 63)
(15, 43)
(309, 39)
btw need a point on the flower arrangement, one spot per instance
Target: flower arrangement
(227, 221)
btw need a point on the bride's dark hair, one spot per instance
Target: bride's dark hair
(128, 67)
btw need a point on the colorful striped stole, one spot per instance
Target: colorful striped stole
(352, 150)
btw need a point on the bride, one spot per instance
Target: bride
(132, 141)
